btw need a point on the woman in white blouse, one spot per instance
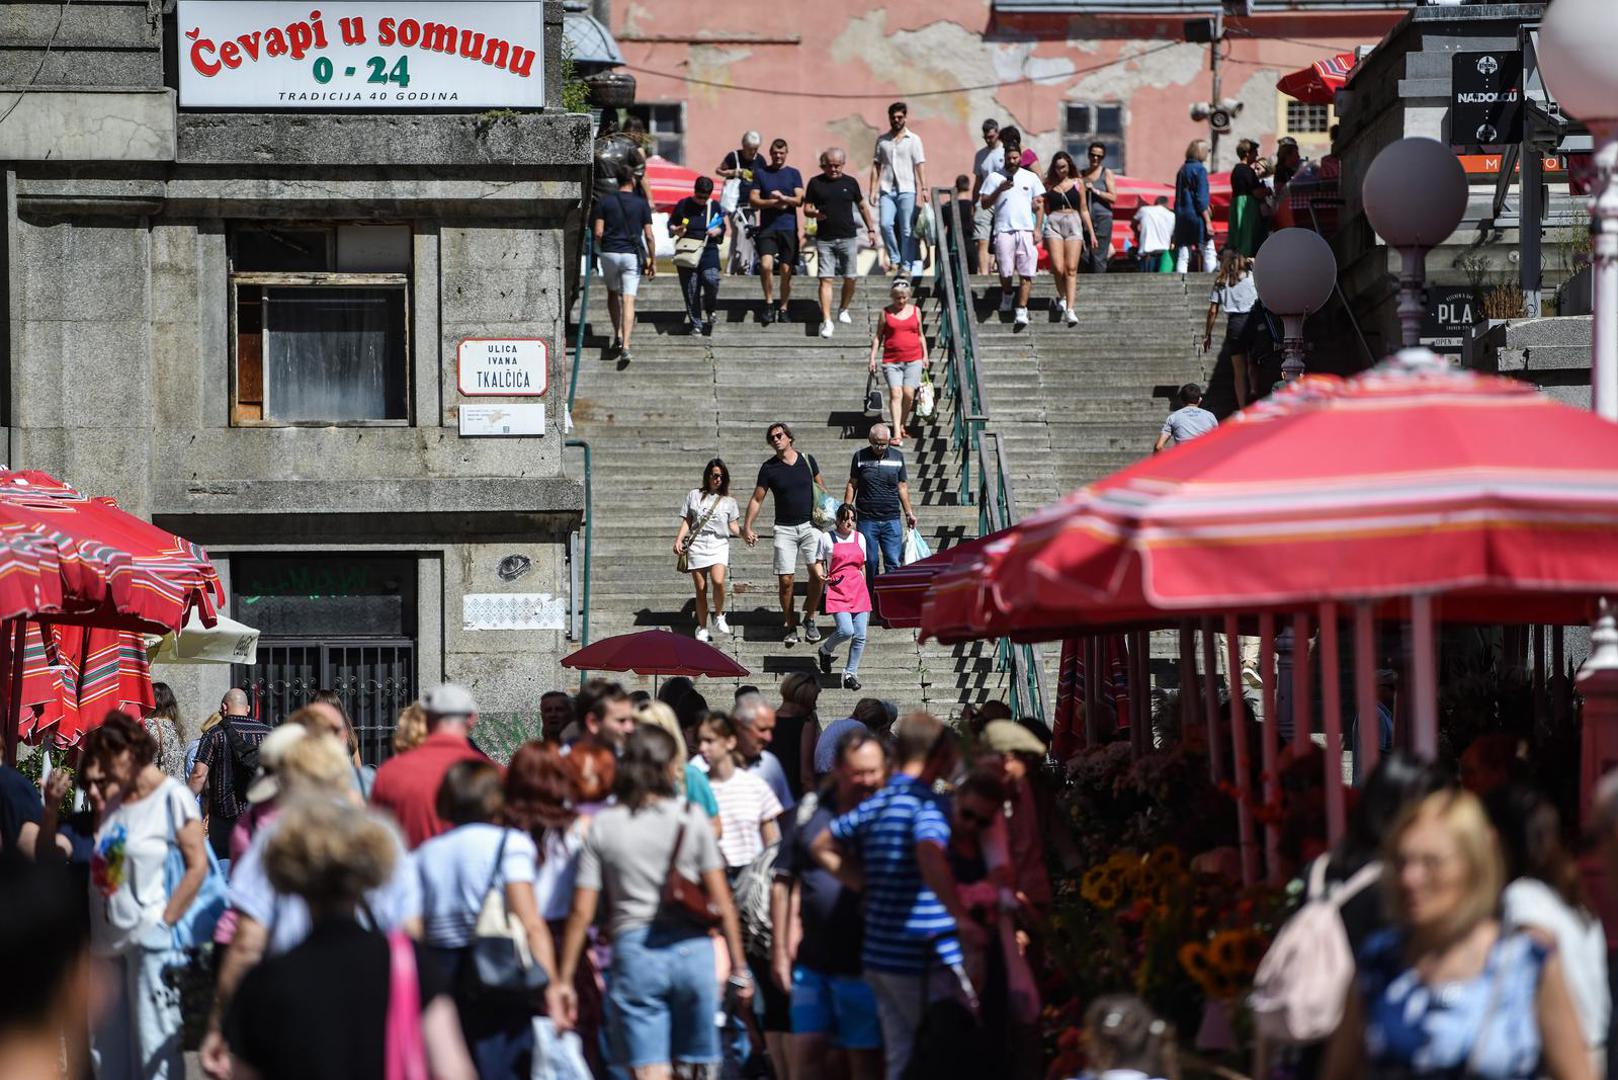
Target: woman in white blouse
(708, 520)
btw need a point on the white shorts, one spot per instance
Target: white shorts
(907, 373)
(620, 271)
(793, 542)
(1014, 253)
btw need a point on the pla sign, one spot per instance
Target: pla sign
(503, 367)
(401, 54)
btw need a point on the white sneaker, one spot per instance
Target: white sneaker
(1022, 317)
(703, 635)
(825, 329)
(720, 624)
(1061, 305)
(845, 318)
(1072, 317)
(1006, 303)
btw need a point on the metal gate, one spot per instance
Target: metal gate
(375, 677)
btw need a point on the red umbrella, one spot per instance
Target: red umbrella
(73, 676)
(901, 593)
(669, 182)
(1318, 83)
(654, 652)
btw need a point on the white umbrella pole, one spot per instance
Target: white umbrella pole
(1370, 723)
(1331, 701)
(1425, 742)
(1243, 764)
(1270, 735)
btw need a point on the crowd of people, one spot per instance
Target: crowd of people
(650, 885)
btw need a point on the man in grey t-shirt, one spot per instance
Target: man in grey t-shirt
(1188, 421)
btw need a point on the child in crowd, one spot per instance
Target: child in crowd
(1127, 1041)
(747, 807)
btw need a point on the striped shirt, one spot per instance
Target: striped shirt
(903, 917)
(745, 804)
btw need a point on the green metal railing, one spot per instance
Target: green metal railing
(963, 384)
(584, 311)
(589, 524)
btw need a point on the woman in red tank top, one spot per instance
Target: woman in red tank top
(903, 348)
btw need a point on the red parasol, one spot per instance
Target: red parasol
(901, 593)
(1318, 83)
(654, 652)
(73, 676)
(668, 182)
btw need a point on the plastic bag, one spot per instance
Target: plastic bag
(925, 402)
(824, 511)
(916, 547)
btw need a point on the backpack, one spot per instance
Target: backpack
(753, 902)
(1305, 976)
(243, 755)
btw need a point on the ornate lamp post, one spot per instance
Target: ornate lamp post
(1414, 195)
(1295, 272)
(1577, 43)
(1577, 40)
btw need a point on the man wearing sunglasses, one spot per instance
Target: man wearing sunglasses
(793, 479)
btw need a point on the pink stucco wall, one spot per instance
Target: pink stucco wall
(821, 73)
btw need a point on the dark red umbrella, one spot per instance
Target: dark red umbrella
(1318, 83)
(654, 652)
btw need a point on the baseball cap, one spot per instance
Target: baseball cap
(1010, 737)
(271, 752)
(449, 699)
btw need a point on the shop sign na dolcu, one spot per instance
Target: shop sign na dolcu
(400, 54)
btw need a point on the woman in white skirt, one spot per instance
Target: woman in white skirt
(707, 522)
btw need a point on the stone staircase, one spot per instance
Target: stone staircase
(652, 425)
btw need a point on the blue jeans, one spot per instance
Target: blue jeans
(851, 626)
(661, 998)
(701, 290)
(885, 539)
(898, 215)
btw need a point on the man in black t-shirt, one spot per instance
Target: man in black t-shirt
(792, 478)
(622, 225)
(776, 192)
(831, 199)
(831, 1004)
(879, 490)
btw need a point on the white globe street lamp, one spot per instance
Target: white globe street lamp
(1414, 195)
(1577, 39)
(1295, 272)
(1577, 43)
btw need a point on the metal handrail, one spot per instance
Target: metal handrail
(578, 334)
(996, 499)
(589, 522)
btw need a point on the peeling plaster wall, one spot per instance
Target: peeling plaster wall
(855, 58)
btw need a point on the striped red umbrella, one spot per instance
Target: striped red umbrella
(1394, 484)
(73, 676)
(1318, 83)
(669, 182)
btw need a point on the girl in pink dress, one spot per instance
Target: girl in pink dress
(848, 602)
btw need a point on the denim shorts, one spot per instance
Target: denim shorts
(662, 995)
(837, 258)
(841, 1006)
(902, 373)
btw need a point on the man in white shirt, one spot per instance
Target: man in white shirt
(1154, 233)
(1017, 197)
(898, 182)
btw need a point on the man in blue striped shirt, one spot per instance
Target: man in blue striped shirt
(900, 837)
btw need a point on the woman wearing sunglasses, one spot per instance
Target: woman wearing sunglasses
(708, 520)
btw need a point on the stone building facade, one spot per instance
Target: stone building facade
(245, 326)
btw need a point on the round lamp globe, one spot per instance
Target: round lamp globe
(1577, 42)
(1295, 271)
(1415, 193)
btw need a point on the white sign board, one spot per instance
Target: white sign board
(495, 421)
(503, 367)
(513, 611)
(401, 54)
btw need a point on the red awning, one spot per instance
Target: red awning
(669, 182)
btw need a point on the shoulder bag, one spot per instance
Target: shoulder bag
(681, 895)
(196, 925)
(687, 248)
(682, 562)
(501, 959)
(404, 1054)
